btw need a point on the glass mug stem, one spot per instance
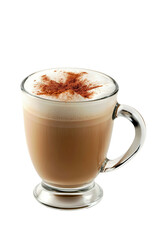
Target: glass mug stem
(136, 119)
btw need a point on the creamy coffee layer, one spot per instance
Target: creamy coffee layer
(68, 137)
(69, 85)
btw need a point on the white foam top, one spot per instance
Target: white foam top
(107, 86)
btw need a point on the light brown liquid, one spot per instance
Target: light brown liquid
(67, 153)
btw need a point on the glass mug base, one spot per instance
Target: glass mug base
(74, 198)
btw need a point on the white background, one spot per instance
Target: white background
(120, 38)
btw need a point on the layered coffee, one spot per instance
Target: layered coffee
(68, 132)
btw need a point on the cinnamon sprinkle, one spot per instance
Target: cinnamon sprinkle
(73, 84)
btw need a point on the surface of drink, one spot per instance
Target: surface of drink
(68, 132)
(69, 85)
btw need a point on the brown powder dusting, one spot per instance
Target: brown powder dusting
(73, 84)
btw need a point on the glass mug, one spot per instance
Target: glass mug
(68, 144)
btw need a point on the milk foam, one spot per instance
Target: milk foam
(106, 89)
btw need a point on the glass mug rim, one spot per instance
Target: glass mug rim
(63, 68)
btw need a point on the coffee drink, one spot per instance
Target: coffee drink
(68, 116)
(68, 134)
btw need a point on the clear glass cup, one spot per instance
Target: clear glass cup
(68, 143)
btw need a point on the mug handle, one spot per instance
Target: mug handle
(136, 119)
